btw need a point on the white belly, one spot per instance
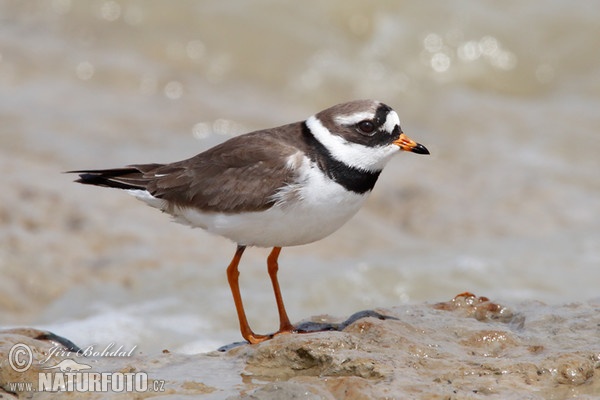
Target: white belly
(274, 227)
(304, 213)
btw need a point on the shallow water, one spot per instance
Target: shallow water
(505, 96)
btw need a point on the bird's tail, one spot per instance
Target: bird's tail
(133, 177)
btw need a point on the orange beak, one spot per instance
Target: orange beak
(407, 144)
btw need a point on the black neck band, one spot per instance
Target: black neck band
(351, 178)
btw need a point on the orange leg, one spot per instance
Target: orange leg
(272, 266)
(232, 276)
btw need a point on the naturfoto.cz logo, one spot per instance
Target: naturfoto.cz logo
(70, 375)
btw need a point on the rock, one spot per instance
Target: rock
(465, 348)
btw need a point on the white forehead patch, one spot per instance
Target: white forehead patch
(353, 118)
(354, 155)
(391, 121)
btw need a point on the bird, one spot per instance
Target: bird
(285, 186)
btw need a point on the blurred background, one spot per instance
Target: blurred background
(506, 96)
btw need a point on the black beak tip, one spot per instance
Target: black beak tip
(420, 149)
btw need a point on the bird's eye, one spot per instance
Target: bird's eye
(366, 127)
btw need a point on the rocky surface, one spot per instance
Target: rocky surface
(466, 348)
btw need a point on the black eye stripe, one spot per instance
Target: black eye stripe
(377, 122)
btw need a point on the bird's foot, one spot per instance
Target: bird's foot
(254, 338)
(308, 327)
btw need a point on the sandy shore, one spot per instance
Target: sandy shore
(468, 347)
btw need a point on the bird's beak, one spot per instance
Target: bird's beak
(407, 144)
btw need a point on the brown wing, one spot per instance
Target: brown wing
(241, 174)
